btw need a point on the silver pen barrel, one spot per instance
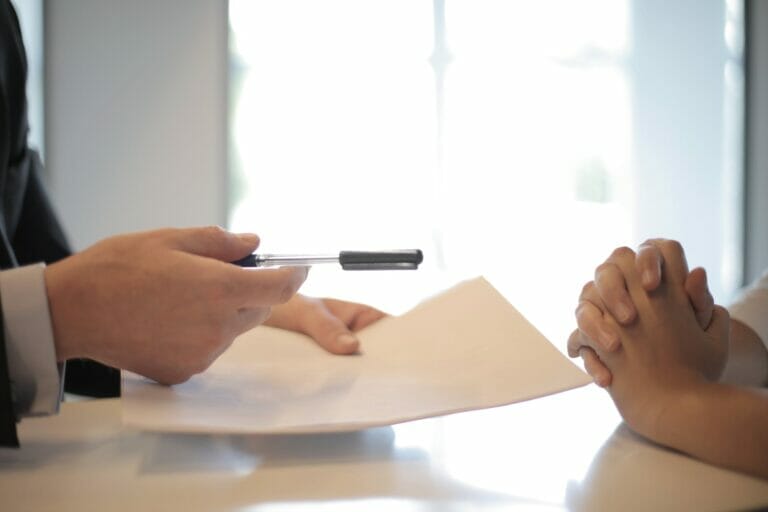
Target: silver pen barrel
(294, 260)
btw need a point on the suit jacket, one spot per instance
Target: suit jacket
(29, 229)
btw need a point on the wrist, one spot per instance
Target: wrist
(65, 344)
(672, 424)
(652, 412)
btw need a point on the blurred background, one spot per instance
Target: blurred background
(519, 140)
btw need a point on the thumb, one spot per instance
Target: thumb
(715, 354)
(700, 296)
(720, 324)
(215, 242)
(330, 332)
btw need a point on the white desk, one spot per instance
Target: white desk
(567, 451)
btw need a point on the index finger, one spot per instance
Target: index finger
(262, 287)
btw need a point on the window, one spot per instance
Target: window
(515, 139)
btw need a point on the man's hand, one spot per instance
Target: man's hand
(164, 304)
(608, 295)
(332, 323)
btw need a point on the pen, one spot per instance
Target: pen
(408, 259)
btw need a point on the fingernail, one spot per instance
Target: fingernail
(346, 340)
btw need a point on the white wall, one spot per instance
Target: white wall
(136, 114)
(687, 157)
(757, 142)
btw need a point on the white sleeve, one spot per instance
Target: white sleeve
(751, 308)
(36, 379)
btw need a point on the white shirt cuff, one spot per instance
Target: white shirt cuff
(36, 379)
(751, 308)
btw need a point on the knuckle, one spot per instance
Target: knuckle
(672, 246)
(214, 230)
(605, 269)
(213, 233)
(622, 253)
(652, 244)
(602, 267)
(586, 290)
(583, 315)
(579, 310)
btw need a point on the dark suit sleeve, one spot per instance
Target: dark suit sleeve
(8, 435)
(38, 235)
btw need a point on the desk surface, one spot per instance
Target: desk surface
(568, 451)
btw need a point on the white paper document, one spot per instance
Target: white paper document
(464, 349)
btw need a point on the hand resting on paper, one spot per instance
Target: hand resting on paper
(330, 322)
(166, 303)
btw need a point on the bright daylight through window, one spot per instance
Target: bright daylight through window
(521, 140)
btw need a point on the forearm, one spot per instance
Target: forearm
(721, 424)
(747, 363)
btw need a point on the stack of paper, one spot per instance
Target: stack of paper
(467, 348)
